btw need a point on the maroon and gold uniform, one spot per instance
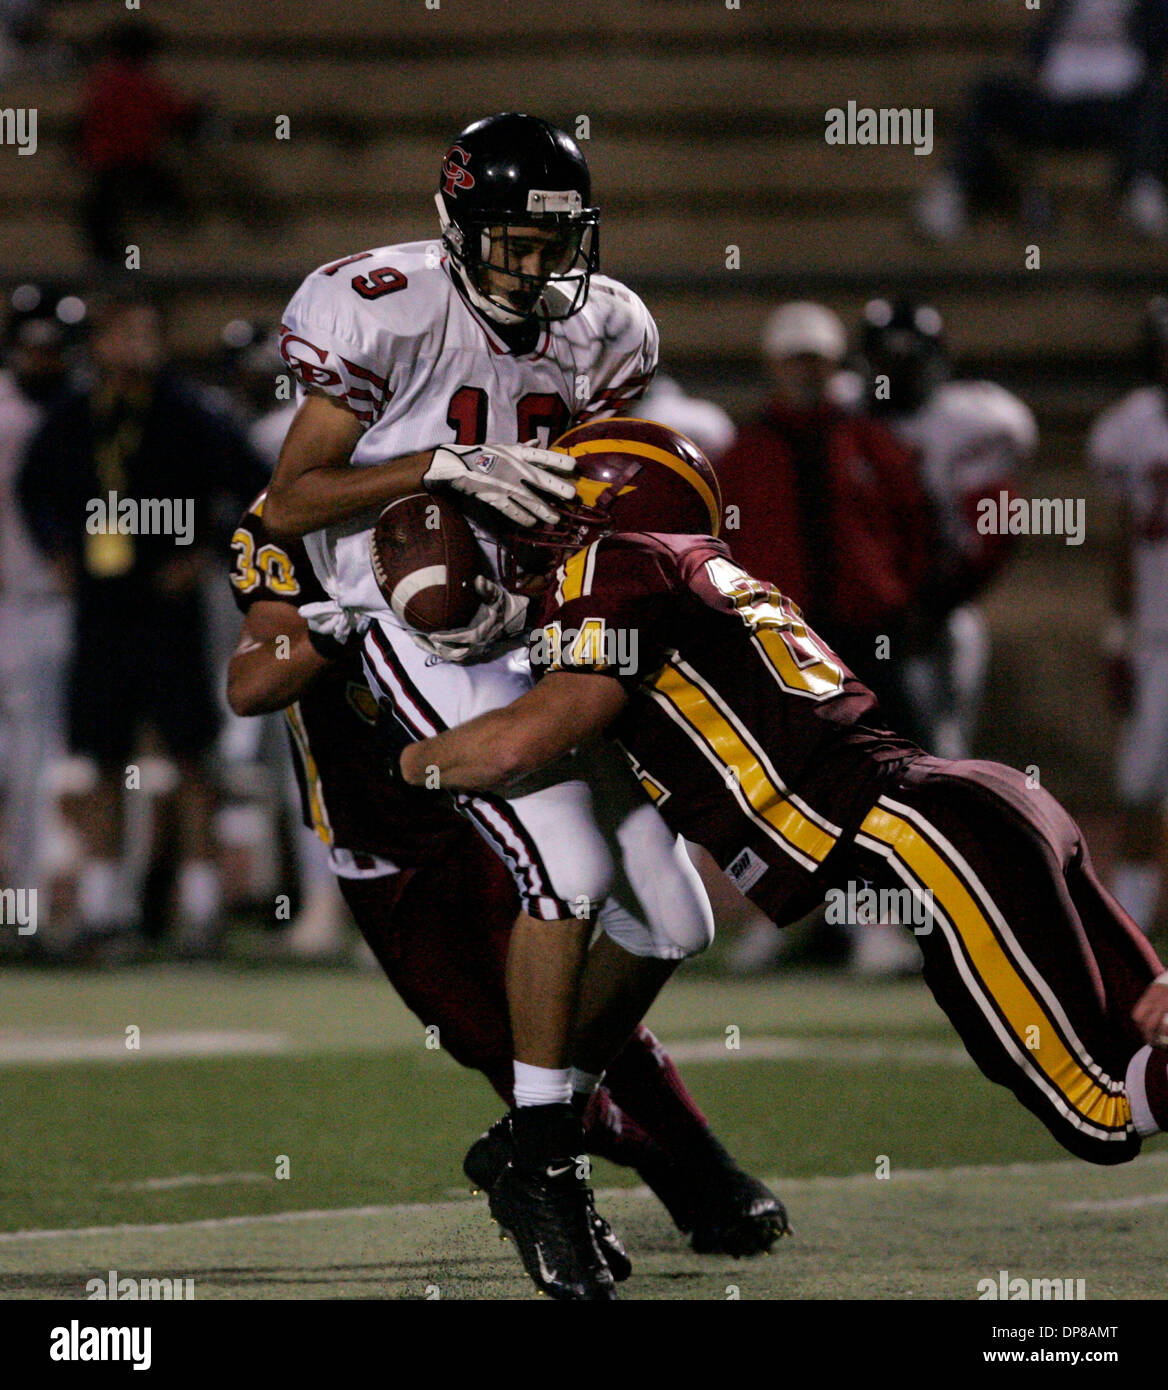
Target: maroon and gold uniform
(409, 867)
(758, 743)
(436, 904)
(709, 648)
(340, 759)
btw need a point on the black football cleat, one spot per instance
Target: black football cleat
(739, 1216)
(489, 1155)
(547, 1213)
(723, 1210)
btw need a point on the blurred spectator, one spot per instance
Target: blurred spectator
(1091, 78)
(34, 608)
(1128, 446)
(119, 486)
(707, 424)
(24, 43)
(971, 439)
(129, 118)
(827, 505)
(253, 367)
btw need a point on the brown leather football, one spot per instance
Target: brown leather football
(426, 561)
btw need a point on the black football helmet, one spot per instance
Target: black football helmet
(511, 172)
(903, 341)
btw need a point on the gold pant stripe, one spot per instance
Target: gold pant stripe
(731, 752)
(316, 806)
(1012, 994)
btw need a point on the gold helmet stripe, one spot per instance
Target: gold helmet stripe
(651, 451)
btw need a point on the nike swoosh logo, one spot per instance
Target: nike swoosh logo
(559, 1172)
(549, 1276)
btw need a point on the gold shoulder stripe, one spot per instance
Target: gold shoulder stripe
(754, 789)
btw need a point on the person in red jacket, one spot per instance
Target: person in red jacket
(129, 115)
(828, 506)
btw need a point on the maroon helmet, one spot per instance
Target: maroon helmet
(631, 475)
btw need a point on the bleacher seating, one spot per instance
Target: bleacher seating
(705, 131)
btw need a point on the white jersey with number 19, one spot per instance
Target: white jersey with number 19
(389, 332)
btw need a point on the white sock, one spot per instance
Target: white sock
(542, 1085)
(1137, 1093)
(1136, 883)
(99, 893)
(584, 1083)
(200, 896)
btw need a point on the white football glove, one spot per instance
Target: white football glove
(501, 615)
(330, 627)
(508, 477)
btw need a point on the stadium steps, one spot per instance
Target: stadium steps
(706, 131)
(353, 27)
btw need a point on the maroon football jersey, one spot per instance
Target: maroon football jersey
(341, 760)
(749, 734)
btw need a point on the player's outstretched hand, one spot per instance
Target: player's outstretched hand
(508, 477)
(1150, 1015)
(501, 615)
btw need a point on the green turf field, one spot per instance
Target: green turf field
(162, 1160)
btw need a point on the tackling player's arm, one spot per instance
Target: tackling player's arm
(605, 588)
(266, 673)
(501, 748)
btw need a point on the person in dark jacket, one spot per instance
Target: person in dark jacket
(120, 488)
(1090, 78)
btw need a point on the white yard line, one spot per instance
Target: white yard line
(1153, 1199)
(187, 1180)
(783, 1185)
(840, 1050)
(33, 1049)
(216, 1223)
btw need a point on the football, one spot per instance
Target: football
(426, 561)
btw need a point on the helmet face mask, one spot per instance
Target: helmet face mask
(534, 267)
(513, 206)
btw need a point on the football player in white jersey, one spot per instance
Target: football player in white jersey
(427, 366)
(972, 439)
(1128, 447)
